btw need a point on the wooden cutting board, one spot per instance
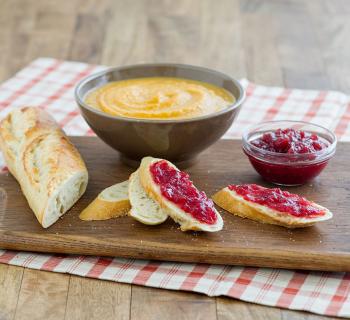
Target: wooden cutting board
(325, 246)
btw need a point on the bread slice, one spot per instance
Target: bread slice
(112, 202)
(186, 221)
(143, 208)
(236, 204)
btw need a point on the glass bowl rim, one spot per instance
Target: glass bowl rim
(321, 155)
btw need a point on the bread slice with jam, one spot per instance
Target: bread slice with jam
(272, 206)
(180, 199)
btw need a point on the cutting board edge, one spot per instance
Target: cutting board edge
(251, 257)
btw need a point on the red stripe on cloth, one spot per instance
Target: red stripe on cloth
(294, 99)
(172, 271)
(267, 285)
(67, 70)
(194, 276)
(38, 95)
(322, 279)
(123, 267)
(343, 122)
(242, 282)
(315, 106)
(288, 294)
(219, 279)
(64, 88)
(69, 116)
(99, 267)
(27, 262)
(249, 89)
(146, 272)
(76, 262)
(90, 132)
(275, 108)
(52, 262)
(32, 82)
(7, 256)
(340, 296)
(68, 85)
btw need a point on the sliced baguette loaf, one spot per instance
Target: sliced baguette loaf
(237, 205)
(186, 221)
(49, 169)
(143, 208)
(112, 202)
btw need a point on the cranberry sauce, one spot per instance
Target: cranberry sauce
(290, 141)
(176, 186)
(277, 199)
(288, 156)
(287, 174)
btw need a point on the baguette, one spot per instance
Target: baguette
(234, 203)
(143, 208)
(185, 219)
(112, 202)
(49, 169)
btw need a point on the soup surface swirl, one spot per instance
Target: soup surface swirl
(159, 98)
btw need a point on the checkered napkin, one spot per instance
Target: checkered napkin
(50, 84)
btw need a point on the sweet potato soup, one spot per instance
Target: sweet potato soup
(159, 98)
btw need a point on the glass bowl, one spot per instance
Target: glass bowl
(283, 168)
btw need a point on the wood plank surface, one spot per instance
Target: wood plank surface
(10, 285)
(244, 38)
(241, 242)
(43, 296)
(151, 304)
(95, 299)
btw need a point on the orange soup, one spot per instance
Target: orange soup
(159, 98)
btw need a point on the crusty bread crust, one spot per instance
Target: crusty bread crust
(49, 169)
(184, 219)
(237, 205)
(102, 208)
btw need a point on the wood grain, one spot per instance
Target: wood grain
(10, 284)
(148, 304)
(241, 242)
(43, 295)
(94, 299)
(237, 310)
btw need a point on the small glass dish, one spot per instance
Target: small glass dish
(283, 168)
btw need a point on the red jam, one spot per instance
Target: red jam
(300, 164)
(277, 199)
(290, 141)
(287, 174)
(176, 186)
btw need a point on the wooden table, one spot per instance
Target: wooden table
(291, 43)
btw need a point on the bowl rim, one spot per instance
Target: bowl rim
(321, 155)
(239, 100)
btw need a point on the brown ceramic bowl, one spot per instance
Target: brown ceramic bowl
(179, 140)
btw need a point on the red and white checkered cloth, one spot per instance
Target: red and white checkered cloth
(50, 84)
